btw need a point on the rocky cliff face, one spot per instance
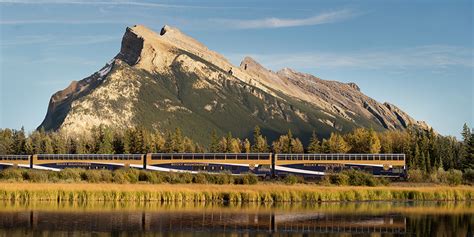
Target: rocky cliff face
(167, 80)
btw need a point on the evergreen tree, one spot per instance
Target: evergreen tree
(214, 145)
(469, 157)
(18, 142)
(289, 142)
(246, 146)
(6, 141)
(71, 146)
(260, 144)
(314, 144)
(335, 144)
(296, 146)
(59, 143)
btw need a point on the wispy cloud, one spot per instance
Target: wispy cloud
(116, 3)
(438, 57)
(273, 22)
(54, 40)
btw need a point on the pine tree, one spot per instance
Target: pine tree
(260, 142)
(374, 142)
(228, 141)
(469, 157)
(246, 146)
(314, 144)
(335, 144)
(296, 146)
(289, 142)
(214, 145)
(18, 142)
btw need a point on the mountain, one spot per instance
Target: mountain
(165, 80)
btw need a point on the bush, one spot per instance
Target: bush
(290, 179)
(119, 176)
(246, 179)
(415, 175)
(131, 175)
(340, 179)
(92, 176)
(70, 175)
(222, 178)
(200, 178)
(11, 174)
(36, 176)
(106, 176)
(468, 176)
(454, 177)
(186, 178)
(360, 178)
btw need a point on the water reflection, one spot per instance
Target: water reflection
(212, 219)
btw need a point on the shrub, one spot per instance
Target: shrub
(119, 176)
(71, 175)
(185, 178)
(222, 178)
(200, 178)
(36, 176)
(11, 174)
(106, 176)
(415, 175)
(454, 177)
(468, 176)
(131, 175)
(360, 178)
(290, 179)
(92, 176)
(246, 179)
(340, 179)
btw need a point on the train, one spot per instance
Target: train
(260, 164)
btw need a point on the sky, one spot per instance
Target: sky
(415, 54)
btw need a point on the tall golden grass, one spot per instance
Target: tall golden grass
(265, 193)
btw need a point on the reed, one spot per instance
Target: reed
(263, 193)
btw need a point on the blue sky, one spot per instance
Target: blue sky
(415, 54)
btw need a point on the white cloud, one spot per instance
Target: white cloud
(54, 40)
(431, 56)
(113, 3)
(273, 22)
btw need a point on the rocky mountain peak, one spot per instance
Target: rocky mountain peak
(168, 79)
(249, 64)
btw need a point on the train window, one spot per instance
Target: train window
(188, 156)
(166, 157)
(371, 157)
(198, 156)
(220, 157)
(253, 156)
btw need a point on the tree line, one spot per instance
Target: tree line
(425, 150)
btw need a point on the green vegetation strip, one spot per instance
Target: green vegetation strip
(226, 193)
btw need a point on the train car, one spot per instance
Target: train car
(386, 165)
(57, 162)
(235, 163)
(20, 161)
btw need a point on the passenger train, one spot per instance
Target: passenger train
(260, 164)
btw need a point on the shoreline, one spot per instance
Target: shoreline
(260, 193)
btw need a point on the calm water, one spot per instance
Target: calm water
(197, 219)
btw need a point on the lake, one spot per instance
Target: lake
(217, 219)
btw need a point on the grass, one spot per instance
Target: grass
(262, 193)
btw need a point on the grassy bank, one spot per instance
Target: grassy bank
(84, 192)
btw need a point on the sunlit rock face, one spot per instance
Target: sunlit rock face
(165, 80)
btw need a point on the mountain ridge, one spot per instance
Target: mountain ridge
(162, 80)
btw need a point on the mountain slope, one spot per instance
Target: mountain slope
(167, 80)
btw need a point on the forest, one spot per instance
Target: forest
(426, 151)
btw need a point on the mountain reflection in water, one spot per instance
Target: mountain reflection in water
(198, 219)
